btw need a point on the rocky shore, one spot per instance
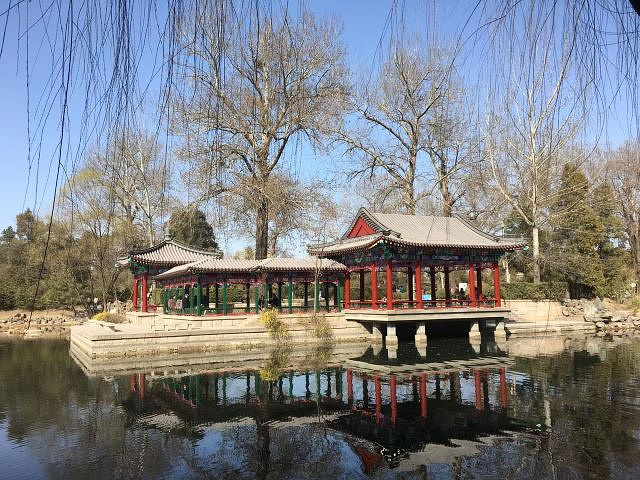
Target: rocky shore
(607, 316)
(45, 321)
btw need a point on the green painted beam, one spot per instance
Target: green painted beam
(199, 295)
(224, 298)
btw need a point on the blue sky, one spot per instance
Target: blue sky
(364, 24)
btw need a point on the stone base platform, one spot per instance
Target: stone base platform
(383, 323)
(167, 336)
(241, 360)
(428, 315)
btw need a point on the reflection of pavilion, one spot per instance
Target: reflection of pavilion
(383, 409)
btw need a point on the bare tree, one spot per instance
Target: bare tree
(137, 178)
(535, 114)
(295, 208)
(270, 81)
(408, 134)
(624, 171)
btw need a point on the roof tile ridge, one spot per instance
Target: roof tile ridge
(152, 248)
(190, 248)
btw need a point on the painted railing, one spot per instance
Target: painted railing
(426, 304)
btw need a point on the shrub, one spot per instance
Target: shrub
(108, 317)
(321, 327)
(7, 298)
(535, 291)
(277, 328)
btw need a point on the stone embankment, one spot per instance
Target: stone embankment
(529, 317)
(607, 316)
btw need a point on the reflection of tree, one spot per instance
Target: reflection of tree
(72, 425)
(589, 397)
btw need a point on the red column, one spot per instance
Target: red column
(479, 287)
(350, 386)
(503, 388)
(347, 290)
(378, 399)
(418, 271)
(447, 288)
(144, 292)
(496, 283)
(432, 279)
(362, 285)
(410, 285)
(394, 399)
(423, 395)
(478, 385)
(389, 286)
(141, 380)
(374, 286)
(472, 288)
(132, 383)
(135, 294)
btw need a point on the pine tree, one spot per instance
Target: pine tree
(577, 234)
(190, 226)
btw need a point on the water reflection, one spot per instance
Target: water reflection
(454, 411)
(379, 409)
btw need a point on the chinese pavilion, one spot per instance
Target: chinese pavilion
(202, 287)
(412, 245)
(148, 262)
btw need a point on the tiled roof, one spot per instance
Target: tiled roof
(170, 252)
(212, 265)
(309, 264)
(418, 231)
(275, 264)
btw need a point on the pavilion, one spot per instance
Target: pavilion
(412, 245)
(397, 259)
(194, 288)
(148, 262)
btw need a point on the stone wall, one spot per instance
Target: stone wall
(534, 311)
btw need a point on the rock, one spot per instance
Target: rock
(597, 303)
(589, 308)
(33, 332)
(600, 325)
(619, 316)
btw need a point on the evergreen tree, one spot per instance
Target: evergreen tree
(190, 226)
(577, 233)
(615, 258)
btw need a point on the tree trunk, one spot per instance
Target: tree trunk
(507, 272)
(447, 206)
(535, 247)
(443, 184)
(409, 199)
(262, 229)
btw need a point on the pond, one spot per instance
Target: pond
(532, 408)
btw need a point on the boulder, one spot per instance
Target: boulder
(619, 316)
(589, 308)
(600, 325)
(597, 303)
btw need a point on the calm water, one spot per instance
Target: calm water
(494, 411)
